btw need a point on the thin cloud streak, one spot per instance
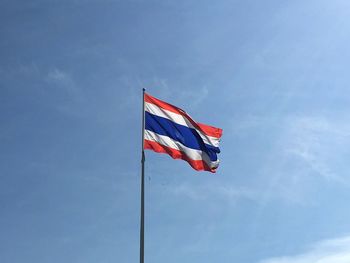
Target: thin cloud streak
(64, 80)
(209, 192)
(314, 140)
(327, 251)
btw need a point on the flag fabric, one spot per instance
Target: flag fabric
(170, 130)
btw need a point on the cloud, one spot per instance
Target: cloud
(327, 251)
(211, 192)
(195, 96)
(161, 88)
(164, 90)
(58, 75)
(71, 96)
(63, 80)
(311, 150)
(316, 141)
(29, 70)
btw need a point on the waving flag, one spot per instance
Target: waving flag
(169, 129)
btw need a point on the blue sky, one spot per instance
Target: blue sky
(273, 74)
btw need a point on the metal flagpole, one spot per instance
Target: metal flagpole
(142, 223)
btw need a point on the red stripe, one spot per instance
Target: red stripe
(210, 130)
(206, 129)
(176, 154)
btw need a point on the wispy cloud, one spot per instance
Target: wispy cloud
(227, 193)
(310, 149)
(195, 96)
(327, 251)
(163, 89)
(63, 80)
(29, 70)
(317, 141)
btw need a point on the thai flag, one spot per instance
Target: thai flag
(169, 129)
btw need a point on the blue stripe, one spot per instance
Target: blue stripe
(187, 136)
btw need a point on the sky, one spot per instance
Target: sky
(272, 74)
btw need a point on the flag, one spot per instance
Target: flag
(170, 130)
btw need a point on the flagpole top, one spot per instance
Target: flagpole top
(143, 89)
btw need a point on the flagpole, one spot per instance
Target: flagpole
(142, 223)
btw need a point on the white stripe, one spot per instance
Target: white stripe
(179, 119)
(193, 154)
